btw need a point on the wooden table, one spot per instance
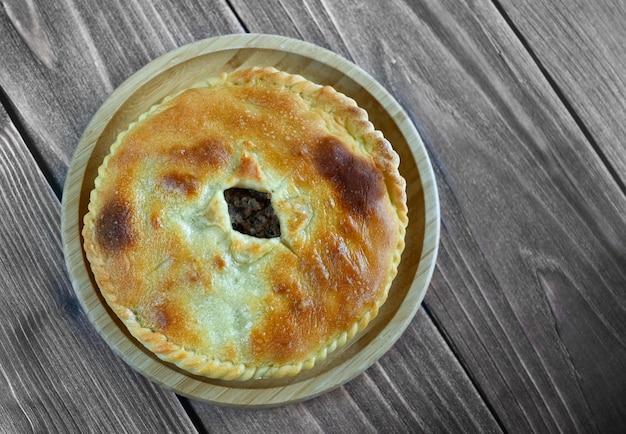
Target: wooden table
(522, 107)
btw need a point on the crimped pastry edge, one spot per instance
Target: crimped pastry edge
(383, 155)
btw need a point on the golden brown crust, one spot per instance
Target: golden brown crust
(227, 305)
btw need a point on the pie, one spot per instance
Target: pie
(248, 226)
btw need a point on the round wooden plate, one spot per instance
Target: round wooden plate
(182, 68)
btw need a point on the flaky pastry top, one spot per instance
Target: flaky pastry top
(227, 305)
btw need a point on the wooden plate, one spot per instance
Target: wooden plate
(185, 66)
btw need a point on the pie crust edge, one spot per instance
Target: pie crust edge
(386, 160)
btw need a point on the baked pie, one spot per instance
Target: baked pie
(248, 226)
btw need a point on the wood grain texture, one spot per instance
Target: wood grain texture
(56, 374)
(590, 318)
(581, 47)
(529, 286)
(60, 61)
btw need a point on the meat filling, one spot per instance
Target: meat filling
(251, 213)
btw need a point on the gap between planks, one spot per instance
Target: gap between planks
(237, 16)
(16, 120)
(561, 97)
(463, 365)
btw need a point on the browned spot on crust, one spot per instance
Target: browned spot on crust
(249, 169)
(208, 152)
(159, 317)
(155, 220)
(219, 262)
(180, 182)
(358, 183)
(169, 318)
(276, 338)
(284, 338)
(335, 287)
(193, 276)
(114, 225)
(293, 325)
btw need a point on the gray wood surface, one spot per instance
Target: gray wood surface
(580, 47)
(522, 107)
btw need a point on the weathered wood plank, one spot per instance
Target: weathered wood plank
(61, 60)
(581, 47)
(56, 374)
(529, 285)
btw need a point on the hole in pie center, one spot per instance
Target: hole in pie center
(251, 212)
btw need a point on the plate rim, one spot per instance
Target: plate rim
(272, 396)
